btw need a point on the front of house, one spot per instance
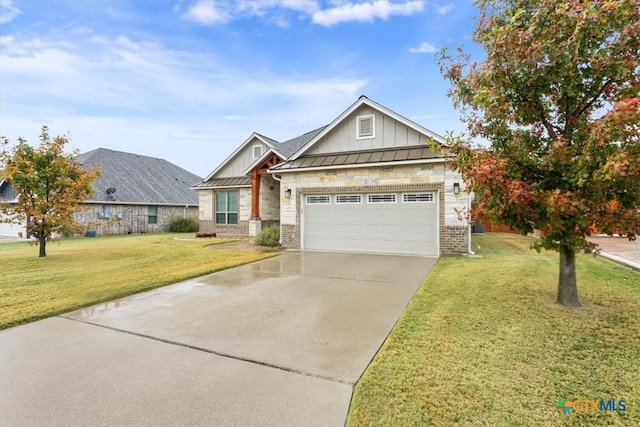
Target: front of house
(370, 182)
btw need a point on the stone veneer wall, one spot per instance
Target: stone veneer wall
(434, 176)
(125, 219)
(206, 214)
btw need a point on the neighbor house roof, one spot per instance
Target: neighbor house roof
(139, 179)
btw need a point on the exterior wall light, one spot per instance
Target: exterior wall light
(287, 193)
(456, 188)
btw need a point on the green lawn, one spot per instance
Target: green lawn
(483, 343)
(85, 271)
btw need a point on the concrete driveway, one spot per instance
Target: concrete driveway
(276, 342)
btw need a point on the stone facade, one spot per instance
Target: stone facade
(269, 210)
(108, 219)
(432, 176)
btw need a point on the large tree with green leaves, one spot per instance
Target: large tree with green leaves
(557, 97)
(49, 184)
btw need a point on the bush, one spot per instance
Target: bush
(183, 225)
(268, 237)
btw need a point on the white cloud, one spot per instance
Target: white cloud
(8, 11)
(365, 12)
(424, 48)
(120, 92)
(442, 10)
(258, 7)
(207, 12)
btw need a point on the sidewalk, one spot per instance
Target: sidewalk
(619, 249)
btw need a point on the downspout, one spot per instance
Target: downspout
(470, 198)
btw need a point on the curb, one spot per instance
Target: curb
(622, 261)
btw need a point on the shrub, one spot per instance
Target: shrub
(268, 237)
(183, 225)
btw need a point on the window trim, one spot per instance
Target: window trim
(348, 201)
(431, 193)
(226, 212)
(359, 120)
(150, 215)
(253, 151)
(381, 198)
(319, 199)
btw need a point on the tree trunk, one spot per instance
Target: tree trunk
(43, 245)
(567, 285)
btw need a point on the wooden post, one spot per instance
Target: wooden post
(255, 194)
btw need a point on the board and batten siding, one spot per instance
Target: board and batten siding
(389, 133)
(241, 161)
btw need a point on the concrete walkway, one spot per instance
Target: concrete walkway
(619, 249)
(277, 342)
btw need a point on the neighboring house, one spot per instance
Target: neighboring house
(7, 229)
(135, 194)
(367, 182)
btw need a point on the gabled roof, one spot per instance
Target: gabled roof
(363, 100)
(272, 143)
(139, 179)
(294, 144)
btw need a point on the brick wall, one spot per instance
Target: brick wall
(453, 239)
(225, 230)
(124, 219)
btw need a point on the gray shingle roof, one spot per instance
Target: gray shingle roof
(294, 144)
(359, 157)
(139, 179)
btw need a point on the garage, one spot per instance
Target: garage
(381, 222)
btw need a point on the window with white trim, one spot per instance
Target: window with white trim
(318, 200)
(418, 198)
(349, 198)
(366, 126)
(257, 151)
(381, 198)
(227, 207)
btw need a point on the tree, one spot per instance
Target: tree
(50, 185)
(558, 99)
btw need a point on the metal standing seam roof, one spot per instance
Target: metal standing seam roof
(360, 157)
(236, 181)
(139, 179)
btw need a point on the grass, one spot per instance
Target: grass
(483, 343)
(81, 272)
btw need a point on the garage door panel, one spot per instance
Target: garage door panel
(410, 228)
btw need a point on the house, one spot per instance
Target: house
(133, 194)
(367, 182)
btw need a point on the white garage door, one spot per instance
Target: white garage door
(393, 222)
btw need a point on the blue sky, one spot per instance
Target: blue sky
(188, 81)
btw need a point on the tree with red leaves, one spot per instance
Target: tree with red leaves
(558, 99)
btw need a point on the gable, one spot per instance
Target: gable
(241, 160)
(377, 131)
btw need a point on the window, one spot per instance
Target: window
(152, 215)
(227, 207)
(381, 198)
(349, 198)
(106, 212)
(318, 200)
(257, 151)
(366, 126)
(418, 198)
